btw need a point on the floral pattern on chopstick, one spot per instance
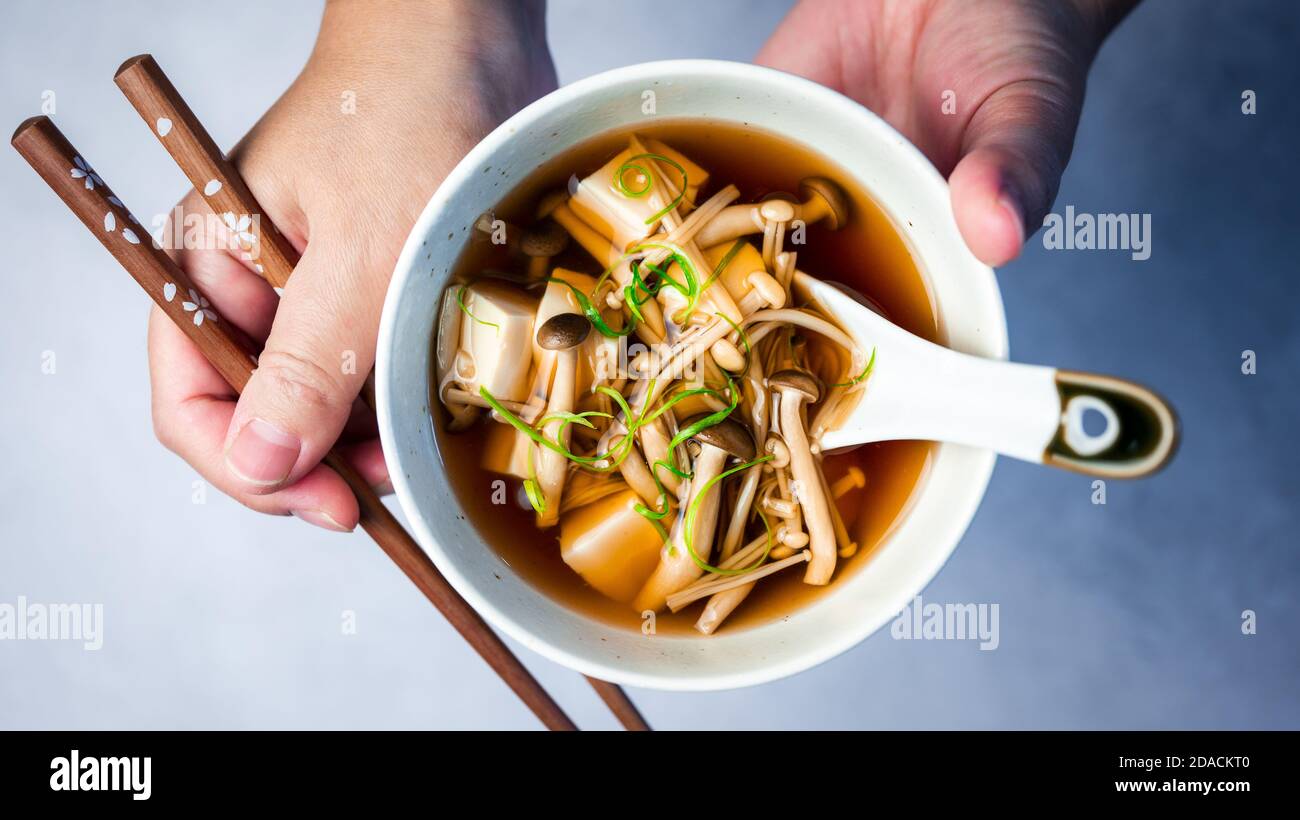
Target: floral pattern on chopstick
(198, 305)
(82, 170)
(239, 227)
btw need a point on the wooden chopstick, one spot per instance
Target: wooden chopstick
(214, 177)
(181, 133)
(620, 704)
(68, 174)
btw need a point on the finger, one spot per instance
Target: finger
(315, 360)
(368, 459)
(199, 242)
(192, 408)
(224, 272)
(799, 44)
(1014, 150)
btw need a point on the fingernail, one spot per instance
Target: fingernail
(262, 453)
(1012, 207)
(321, 519)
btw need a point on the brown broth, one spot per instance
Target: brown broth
(868, 254)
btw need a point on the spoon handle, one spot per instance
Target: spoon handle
(922, 391)
(1140, 436)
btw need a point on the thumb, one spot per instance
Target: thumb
(314, 363)
(1014, 150)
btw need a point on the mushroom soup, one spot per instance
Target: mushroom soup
(629, 388)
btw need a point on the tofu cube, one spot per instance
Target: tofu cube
(621, 218)
(558, 298)
(506, 451)
(611, 545)
(496, 336)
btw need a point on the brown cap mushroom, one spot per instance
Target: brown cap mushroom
(795, 387)
(825, 200)
(727, 435)
(545, 239)
(798, 380)
(563, 331)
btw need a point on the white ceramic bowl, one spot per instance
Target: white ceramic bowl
(900, 179)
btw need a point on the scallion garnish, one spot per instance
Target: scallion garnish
(866, 371)
(460, 300)
(689, 522)
(724, 261)
(620, 183)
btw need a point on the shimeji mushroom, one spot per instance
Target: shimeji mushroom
(777, 213)
(540, 243)
(556, 206)
(852, 480)
(742, 275)
(677, 567)
(635, 472)
(654, 438)
(765, 295)
(556, 298)
(790, 534)
(794, 388)
(722, 604)
(543, 240)
(764, 292)
(562, 333)
(680, 237)
(690, 226)
(823, 200)
(845, 544)
(679, 359)
(488, 228)
(755, 389)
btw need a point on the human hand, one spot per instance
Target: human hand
(429, 80)
(1015, 70)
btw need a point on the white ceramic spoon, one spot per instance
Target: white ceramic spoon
(919, 390)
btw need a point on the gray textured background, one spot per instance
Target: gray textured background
(1123, 615)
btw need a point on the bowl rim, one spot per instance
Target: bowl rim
(953, 527)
